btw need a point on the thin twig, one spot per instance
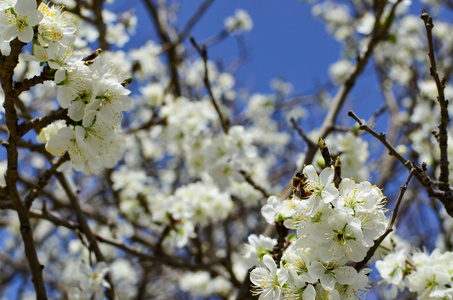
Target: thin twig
(154, 120)
(390, 224)
(337, 172)
(277, 251)
(167, 44)
(446, 197)
(97, 8)
(44, 180)
(257, 187)
(393, 128)
(39, 123)
(143, 256)
(81, 218)
(204, 55)
(343, 129)
(28, 83)
(378, 34)
(194, 19)
(381, 137)
(325, 152)
(209, 42)
(309, 142)
(443, 103)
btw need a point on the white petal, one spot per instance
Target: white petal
(347, 187)
(253, 240)
(268, 295)
(10, 32)
(76, 110)
(257, 275)
(268, 213)
(88, 118)
(60, 75)
(282, 276)
(26, 35)
(329, 193)
(364, 187)
(316, 270)
(328, 282)
(309, 293)
(334, 295)
(358, 251)
(347, 275)
(40, 53)
(107, 115)
(62, 97)
(311, 173)
(101, 268)
(4, 5)
(25, 7)
(276, 293)
(125, 101)
(34, 18)
(270, 264)
(59, 143)
(326, 176)
(5, 48)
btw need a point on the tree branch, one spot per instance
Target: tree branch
(443, 103)
(194, 19)
(44, 180)
(7, 66)
(307, 140)
(389, 228)
(167, 44)
(41, 122)
(446, 197)
(257, 187)
(100, 25)
(204, 55)
(81, 219)
(378, 34)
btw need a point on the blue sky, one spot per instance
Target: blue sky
(285, 41)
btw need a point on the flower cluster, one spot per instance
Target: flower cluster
(354, 154)
(91, 282)
(257, 247)
(240, 22)
(201, 284)
(17, 20)
(333, 226)
(90, 90)
(427, 275)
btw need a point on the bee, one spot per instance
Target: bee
(298, 186)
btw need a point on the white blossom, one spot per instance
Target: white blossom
(268, 279)
(240, 22)
(256, 248)
(19, 22)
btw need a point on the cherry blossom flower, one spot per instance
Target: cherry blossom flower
(296, 287)
(393, 265)
(332, 272)
(256, 248)
(56, 26)
(20, 20)
(276, 209)
(268, 279)
(93, 281)
(321, 187)
(240, 22)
